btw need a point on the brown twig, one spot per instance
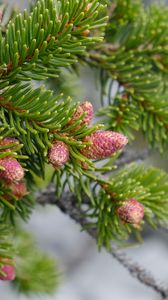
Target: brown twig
(68, 205)
(129, 155)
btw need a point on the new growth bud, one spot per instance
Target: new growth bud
(9, 272)
(58, 155)
(87, 108)
(18, 189)
(13, 171)
(7, 142)
(103, 144)
(131, 211)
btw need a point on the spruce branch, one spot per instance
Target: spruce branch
(6, 247)
(52, 130)
(36, 272)
(50, 37)
(121, 112)
(148, 185)
(134, 54)
(67, 204)
(145, 188)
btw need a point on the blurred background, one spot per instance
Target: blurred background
(86, 274)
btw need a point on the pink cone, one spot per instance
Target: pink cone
(58, 155)
(131, 211)
(9, 273)
(13, 170)
(18, 189)
(87, 108)
(103, 144)
(8, 141)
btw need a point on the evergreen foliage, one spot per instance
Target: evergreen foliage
(135, 55)
(35, 271)
(129, 50)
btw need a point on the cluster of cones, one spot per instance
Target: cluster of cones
(11, 171)
(102, 144)
(11, 175)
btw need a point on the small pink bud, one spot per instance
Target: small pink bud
(8, 141)
(13, 171)
(9, 272)
(131, 211)
(103, 144)
(18, 189)
(58, 155)
(85, 32)
(85, 107)
(88, 7)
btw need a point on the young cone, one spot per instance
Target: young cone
(103, 144)
(13, 171)
(131, 212)
(7, 142)
(9, 272)
(58, 155)
(87, 108)
(18, 189)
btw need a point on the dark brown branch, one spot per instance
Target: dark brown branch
(143, 275)
(129, 155)
(68, 205)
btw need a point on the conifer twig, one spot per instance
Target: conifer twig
(68, 205)
(129, 155)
